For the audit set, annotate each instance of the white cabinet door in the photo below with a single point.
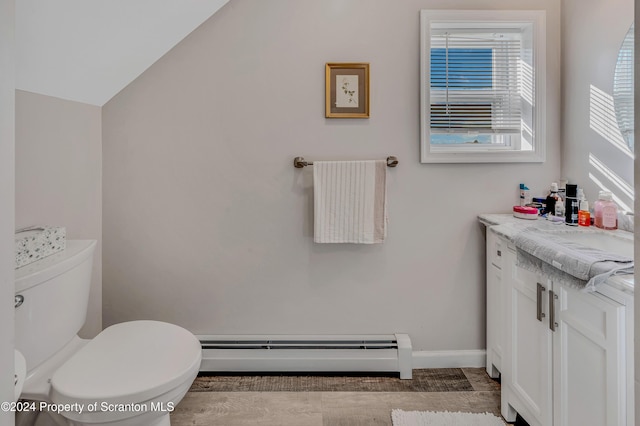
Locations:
(495, 304)
(588, 360)
(528, 345)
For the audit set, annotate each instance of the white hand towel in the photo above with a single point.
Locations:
(350, 201)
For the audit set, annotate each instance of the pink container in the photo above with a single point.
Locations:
(605, 211)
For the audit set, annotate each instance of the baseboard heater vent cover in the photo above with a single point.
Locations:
(316, 353)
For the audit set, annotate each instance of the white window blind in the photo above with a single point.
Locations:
(475, 81)
(483, 86)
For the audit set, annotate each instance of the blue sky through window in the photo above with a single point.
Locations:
(467, 68)
(460, 69)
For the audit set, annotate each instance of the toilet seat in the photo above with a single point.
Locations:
(131, 362)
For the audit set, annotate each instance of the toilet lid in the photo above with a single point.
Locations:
(131, 362)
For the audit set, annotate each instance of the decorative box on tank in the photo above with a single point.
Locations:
(38, 242)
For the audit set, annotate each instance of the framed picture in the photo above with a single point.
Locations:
(347, 90)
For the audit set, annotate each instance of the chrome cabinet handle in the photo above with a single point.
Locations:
(19, 300)
(552, 310)
(539, 313)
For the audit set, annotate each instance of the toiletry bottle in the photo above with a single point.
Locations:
(562, 189)
(584, 217)
(552, 198)
(571, 205)
(562, 196)
(525, 198)
(559, 209)
(597, 211)
(605, 211)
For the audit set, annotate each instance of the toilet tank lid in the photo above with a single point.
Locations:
(131, 362)
(76, 252)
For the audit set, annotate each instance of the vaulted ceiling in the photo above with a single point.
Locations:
(89, 50)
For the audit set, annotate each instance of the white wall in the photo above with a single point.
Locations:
(7, 253)
(636, 167)
(592, 33)
(59, 176)
(87, 51)
(208, 225)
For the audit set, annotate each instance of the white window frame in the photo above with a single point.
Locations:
(485, 18)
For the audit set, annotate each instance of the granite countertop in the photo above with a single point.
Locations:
(507, 226)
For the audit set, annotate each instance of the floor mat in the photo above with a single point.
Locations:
(443, 418)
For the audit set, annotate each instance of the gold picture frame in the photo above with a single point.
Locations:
(347, 90)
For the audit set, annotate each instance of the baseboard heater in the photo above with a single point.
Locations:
(315, 353)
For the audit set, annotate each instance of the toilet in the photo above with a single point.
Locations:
(132, 373)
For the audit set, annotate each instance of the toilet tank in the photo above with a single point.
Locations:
(55, 293)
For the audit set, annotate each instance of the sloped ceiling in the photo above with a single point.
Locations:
(89, 50)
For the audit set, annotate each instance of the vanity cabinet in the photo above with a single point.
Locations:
(527, 373)
(565, 356)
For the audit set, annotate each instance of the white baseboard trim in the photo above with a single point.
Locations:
(449, 359)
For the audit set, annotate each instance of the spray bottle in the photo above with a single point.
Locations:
(525, 198)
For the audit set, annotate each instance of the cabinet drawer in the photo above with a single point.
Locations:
(495, 249)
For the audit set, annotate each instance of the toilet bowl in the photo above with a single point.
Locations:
(132, 373)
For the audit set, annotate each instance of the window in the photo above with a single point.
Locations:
(482, 76)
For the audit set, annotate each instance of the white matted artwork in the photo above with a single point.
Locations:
(347, 91)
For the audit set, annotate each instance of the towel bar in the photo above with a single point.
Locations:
(300, 162)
